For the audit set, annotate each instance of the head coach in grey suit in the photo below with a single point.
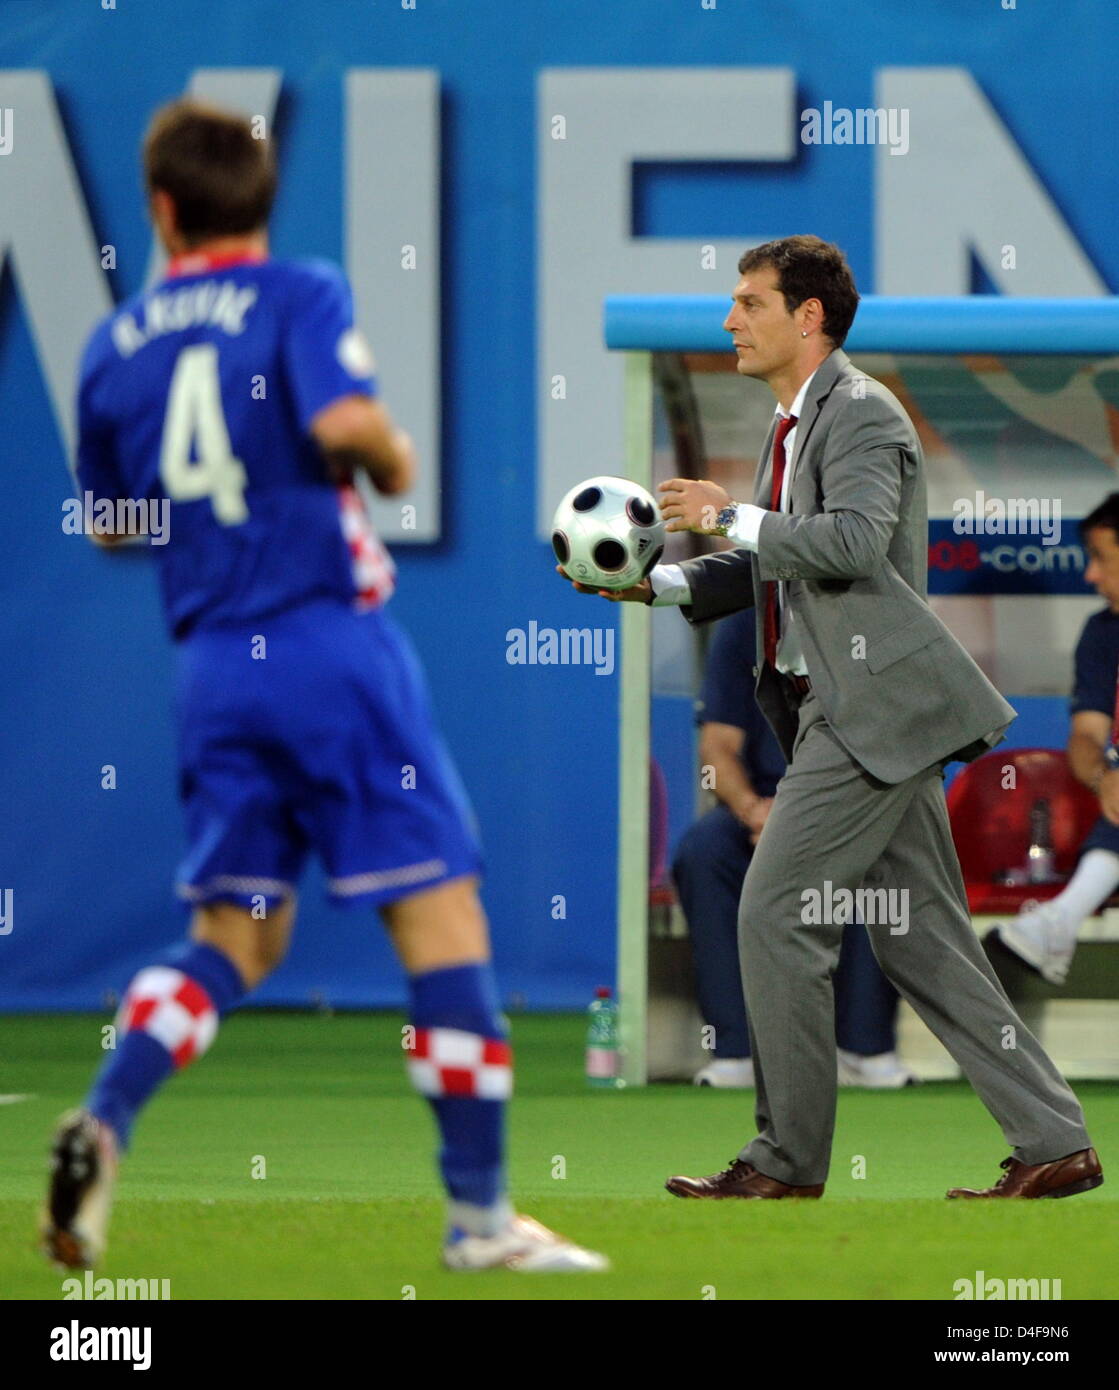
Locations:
(870, 696)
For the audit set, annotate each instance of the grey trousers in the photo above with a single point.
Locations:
(833, 827)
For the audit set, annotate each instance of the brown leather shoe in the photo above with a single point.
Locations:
(739, 1180)
(1064, 1177)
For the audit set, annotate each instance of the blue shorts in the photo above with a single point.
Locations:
(313, 730)
(1103, 835)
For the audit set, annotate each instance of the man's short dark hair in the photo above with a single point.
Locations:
(1106, 514)
(808, 268)
(221, 177)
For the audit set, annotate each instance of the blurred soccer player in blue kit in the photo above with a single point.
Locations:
(302, 742)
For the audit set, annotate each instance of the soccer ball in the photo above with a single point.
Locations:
(607, 533)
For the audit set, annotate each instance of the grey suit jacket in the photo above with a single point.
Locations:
(897, 689)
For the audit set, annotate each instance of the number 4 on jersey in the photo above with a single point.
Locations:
(195, 418)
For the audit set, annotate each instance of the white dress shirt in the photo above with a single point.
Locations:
(671, 588)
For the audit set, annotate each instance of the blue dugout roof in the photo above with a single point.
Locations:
(969, 323)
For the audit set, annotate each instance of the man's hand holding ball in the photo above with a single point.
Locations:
(639, 593)
(607, 528)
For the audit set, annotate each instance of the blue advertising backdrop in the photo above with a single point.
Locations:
(85, 659)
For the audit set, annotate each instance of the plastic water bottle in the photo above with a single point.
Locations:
(602, 1040)
(1040, 866)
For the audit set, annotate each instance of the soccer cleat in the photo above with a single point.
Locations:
(883, 1072)
(524, 1246)
(75, 1220)
(1040, 936)
(730, 1072)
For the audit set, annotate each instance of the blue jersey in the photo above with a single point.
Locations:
(1095, 665)
(728, 698)
(200, 393)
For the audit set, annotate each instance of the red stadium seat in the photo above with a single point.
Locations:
(991, 824)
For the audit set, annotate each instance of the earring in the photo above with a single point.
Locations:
(804, 335)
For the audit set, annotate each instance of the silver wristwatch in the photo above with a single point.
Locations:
(724, 521)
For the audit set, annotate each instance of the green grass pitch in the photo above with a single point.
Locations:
(350, 1206)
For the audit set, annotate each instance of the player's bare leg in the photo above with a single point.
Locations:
(459, 1059)
(168, 1018)
(439, 927)
(255, 945)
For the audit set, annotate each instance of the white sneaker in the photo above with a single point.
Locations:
(883, 1072)
(1040, 936)
(75, 1221)
(524, 1246)
(731, 1072)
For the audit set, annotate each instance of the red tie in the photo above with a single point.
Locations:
(784, 425)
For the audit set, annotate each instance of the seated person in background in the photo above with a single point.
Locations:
(711, 863)
(1044, 934)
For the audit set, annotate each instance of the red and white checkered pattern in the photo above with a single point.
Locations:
(373, 570)
(173, 1009)
(448, 1062)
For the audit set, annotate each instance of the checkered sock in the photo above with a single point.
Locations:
(459, 1058)
(169, 1017)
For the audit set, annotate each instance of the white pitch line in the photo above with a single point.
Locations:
(13, 1100)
